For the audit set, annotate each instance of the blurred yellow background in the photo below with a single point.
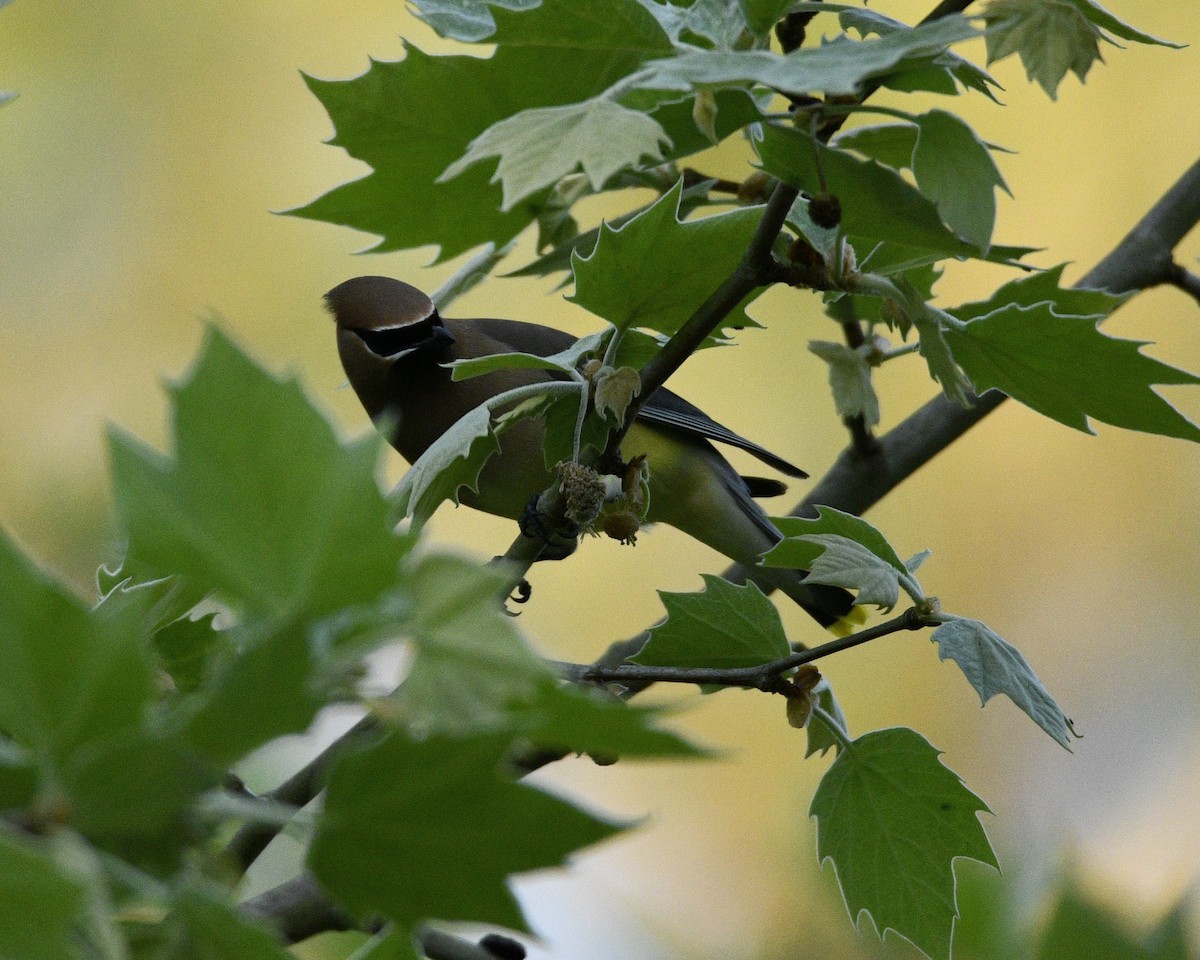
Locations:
(140, 166)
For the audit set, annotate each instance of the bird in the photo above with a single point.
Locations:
(394, 345)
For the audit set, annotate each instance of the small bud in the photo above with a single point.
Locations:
(849, 259)
(704, 114)
(754, 189)
(825, 210)
(799, 711)
(622, 525)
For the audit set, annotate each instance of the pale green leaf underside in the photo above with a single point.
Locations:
(539, 146)
(993, 665)
(798, 554)
(837, 67)
(850, 380)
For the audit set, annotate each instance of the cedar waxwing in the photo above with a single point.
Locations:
(392, 344)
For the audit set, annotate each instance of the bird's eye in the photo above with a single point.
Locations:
(414, 336)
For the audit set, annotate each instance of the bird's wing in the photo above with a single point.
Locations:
(665, 408)
(671, 410)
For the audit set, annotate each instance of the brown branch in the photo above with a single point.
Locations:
(759, 677)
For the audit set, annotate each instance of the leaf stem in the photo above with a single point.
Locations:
(832, 726)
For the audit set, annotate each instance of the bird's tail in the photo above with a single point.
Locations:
(832, 607)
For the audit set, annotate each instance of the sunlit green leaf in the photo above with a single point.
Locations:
(1065, 368)
(403, 819)
(877, 204)
(837, 67)
(850, 380)
(394, 118)
(654, 271)
(260, 500)
(722, 626)
(1050, 36)
(892, 820)
(70, 677)
(470, 662)
(956, 171)
(43, 905)
(466, 20)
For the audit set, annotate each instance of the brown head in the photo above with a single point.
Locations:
(380, 321)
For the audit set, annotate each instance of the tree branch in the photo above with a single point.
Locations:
(758, 677)
(755, 269)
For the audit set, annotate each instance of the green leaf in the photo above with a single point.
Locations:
(586, 720)
(993, 665)
(762, 15)
(43, 905)
(1106, 21)
(265, 690)
(260, 501)
(843, 550)
(560, 257)
(130, 793)
(1044, 287)
(394, 118)
(1050, 36)
(820, 737)
(1065, 368)
(391, 944)
(452, 462)
(934, 346)
(1080, 928)
(936, 73)
(70, 677)
(722, 626)
(877, 204)
(201, 926)
(18, 777)
(850, 379)
(470, 661)
(432, 828)
(845, 563)
(799, 554)
(728, 110)
(893, 819)
(837, 67)
(892, 144)
(478, 366)
(713, 23)
(187, 648)
(955, 170)
(654, 272)
(539, 146)
(466, 20)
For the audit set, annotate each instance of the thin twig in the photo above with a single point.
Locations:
(758, 677)
(1189, 283)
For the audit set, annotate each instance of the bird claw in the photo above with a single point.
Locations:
(521, 594)
(558, 540)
